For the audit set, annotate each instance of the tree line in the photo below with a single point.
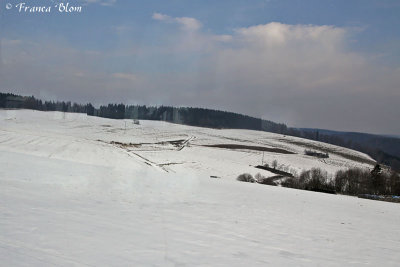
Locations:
(184, 115)
(353, 182)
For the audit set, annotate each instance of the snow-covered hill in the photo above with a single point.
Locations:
(87, 191)
(170, 148)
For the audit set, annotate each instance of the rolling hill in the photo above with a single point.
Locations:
(88, 191)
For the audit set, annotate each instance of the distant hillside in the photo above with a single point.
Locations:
(383, 149)
(388, 144)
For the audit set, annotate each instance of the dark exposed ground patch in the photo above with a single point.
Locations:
(279, 172)
(395, 199)
(176, 143)
(170, 163)
(309, 145)
(256, 148)
(125, 145)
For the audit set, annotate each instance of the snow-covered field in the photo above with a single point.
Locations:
(87, 191)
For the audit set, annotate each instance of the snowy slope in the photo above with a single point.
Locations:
(94, 140)
(86, 191)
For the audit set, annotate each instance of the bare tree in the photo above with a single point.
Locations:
(275, 164)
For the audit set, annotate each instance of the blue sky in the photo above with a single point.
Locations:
(377, 20)
(325, 64)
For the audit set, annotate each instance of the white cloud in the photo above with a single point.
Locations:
(278, 34)
(306, 56)
(159, 16)
(190, 38)
(189, 24)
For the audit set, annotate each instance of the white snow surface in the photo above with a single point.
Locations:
(86, 191)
